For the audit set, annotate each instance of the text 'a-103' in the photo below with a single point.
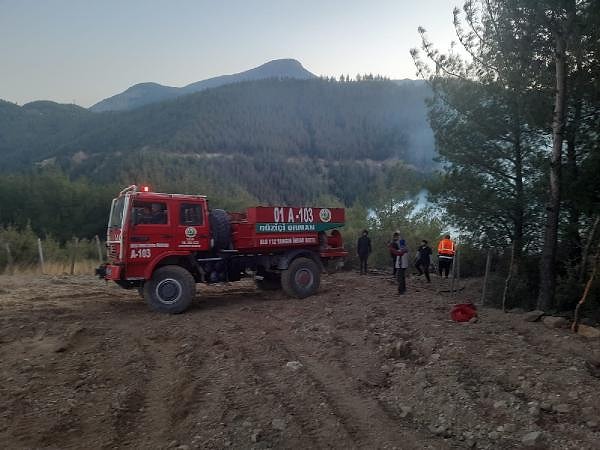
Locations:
(293, 215)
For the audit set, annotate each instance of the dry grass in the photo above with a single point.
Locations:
(85, 267)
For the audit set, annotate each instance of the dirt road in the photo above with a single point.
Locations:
(86, 365)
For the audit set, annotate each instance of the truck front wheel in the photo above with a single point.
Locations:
(170, 290)
(302, 278)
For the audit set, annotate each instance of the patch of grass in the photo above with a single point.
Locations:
(84, 267)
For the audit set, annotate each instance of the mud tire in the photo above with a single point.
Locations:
(302, 278)
(170, 290)
(221, 229)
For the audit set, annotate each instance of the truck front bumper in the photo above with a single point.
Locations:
(109, 272)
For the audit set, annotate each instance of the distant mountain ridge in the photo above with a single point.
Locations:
(146, 93)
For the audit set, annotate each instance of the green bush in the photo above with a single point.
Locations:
(22, 245)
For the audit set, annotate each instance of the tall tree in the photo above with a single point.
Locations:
(560, 16)
(581, 121)
(531, 70)
(481, 116)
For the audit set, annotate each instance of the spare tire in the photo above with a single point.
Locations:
(220, 229)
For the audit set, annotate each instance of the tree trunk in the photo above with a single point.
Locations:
(547, 264)
(519, 208)
(571, 174)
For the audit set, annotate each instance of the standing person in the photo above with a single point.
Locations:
(363, 250)
(446, 252)
(158, 214)
(401, 265)
(393, 245)
(424, 259)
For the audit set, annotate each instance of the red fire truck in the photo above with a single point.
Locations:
(163, 244)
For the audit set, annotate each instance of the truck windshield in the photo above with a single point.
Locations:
(116, 213)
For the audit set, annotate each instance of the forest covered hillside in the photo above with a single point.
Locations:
(276, 140)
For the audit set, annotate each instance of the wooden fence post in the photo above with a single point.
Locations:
(74, 254)
(507, 286)
(586, 250)
(453, 274)
(458, 269)
(9, 261)
(488, 264)
(41, 255)
(99, 248)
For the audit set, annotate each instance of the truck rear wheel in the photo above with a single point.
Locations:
(269, 282)
(170, 290)
(302, 278)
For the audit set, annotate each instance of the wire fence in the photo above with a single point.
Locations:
(24, 252)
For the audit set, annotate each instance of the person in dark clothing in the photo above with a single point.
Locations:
(424, 259)
(392, 246)
(158, 214)
(363, 250)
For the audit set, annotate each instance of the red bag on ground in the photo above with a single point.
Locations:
(463, 312)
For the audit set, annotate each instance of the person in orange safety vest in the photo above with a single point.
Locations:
(446, 250)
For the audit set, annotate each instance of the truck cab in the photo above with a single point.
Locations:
(145, 228)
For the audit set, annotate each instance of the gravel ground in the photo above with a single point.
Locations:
(85, 364)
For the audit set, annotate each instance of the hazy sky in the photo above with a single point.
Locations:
(85, 50)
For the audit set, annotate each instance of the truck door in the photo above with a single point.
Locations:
(191, 229)
(151, 234)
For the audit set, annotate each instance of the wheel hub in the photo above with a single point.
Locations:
(168, 291)
(304, 278)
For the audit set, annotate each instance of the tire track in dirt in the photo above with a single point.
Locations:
(152, 406)
(181, 391)
(54, 406)
(301, 408)
(362, 416)
(344, 378)
(126, 408)
(251, 389)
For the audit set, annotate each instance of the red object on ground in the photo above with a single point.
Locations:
(463, 312)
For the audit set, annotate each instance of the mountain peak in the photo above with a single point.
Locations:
(150, 92)
(283, 63)
(282, 68)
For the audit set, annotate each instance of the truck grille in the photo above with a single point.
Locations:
(113, 251)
